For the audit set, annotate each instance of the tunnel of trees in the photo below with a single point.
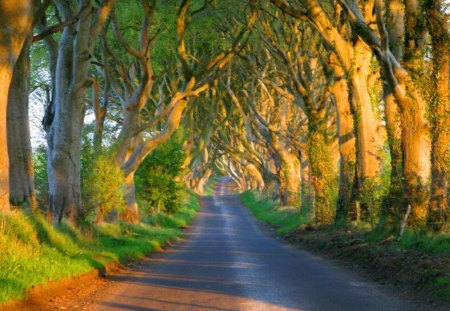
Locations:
(338, 108)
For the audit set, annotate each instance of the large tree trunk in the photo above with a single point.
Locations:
(370, 140)
(439, 215)
(64, 134)
(347, 147)
(15, 26)
(131, 213)
(257, 177)
(391, 210)
(322, 169)
(393, 203)
(127, 144)
(21, 173)
(291, 166)
(289, 162)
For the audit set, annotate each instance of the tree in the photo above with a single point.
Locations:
(65, 117)
(16, 18)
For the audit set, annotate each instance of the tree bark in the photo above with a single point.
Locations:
(322, 170)
(368, 126)
(21, 172)
(131, 213)
(392, 205)
(64, 134)
(16, 19)
(439, 213)
(347, 147)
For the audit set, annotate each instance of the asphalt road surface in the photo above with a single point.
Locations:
(226, 262)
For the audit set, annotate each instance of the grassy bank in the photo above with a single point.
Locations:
(33, 252)
(210, 185)
(283, 220)
(417, 261)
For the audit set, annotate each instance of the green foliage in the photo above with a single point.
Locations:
(284, 219)
(40, 175)
(375, 190)
(33, 252)
(101, 179)
(102, 185)
(157, 179)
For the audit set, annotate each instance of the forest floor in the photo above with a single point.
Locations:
(417, 266)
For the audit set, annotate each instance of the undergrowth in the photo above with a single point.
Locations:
(267, 210)
(33, 252)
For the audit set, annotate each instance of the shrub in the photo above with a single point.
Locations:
(102, 185)
(157, 179)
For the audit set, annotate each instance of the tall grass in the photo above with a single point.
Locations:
(32, 251)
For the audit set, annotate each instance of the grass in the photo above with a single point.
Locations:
(267, 210)
(33, 252)
(209, 188)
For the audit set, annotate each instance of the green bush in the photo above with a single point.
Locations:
(158, 178)
(102, 185)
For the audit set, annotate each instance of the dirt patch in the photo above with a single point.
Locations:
(412, 272)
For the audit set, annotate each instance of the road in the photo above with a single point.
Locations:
(226, 262)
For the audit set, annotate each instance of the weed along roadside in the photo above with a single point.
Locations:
(418, 264)
(34, 252)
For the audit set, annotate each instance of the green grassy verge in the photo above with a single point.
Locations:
(33, 252)
(209, 188)
(283, 219)
(421, 261)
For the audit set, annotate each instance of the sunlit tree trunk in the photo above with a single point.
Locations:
(21, 173)
(369, 138)
(15, 26)
(289, 172)
(415, 124)
(322, 170)
(437, 19)
(392, 205)
(131, 213)
(347, 147)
